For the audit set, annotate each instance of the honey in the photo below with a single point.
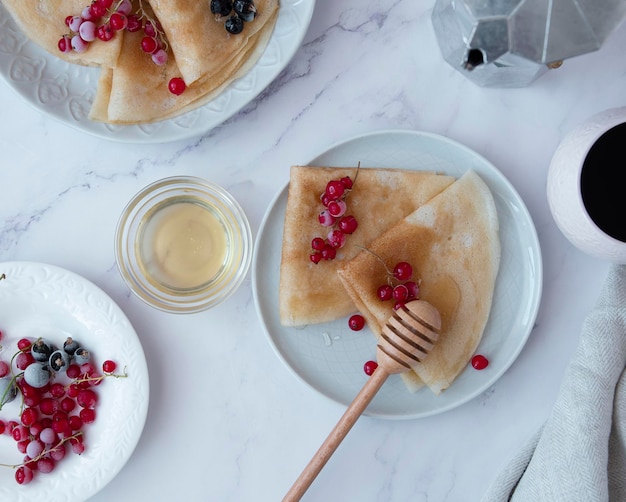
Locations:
(183, 245)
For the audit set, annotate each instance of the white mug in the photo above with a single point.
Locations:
(585, 186)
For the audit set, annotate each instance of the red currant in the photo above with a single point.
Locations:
(325, 199)
(336, 238)
(87, 415)
(318, 243)
(369, 367)
(73, 371)
(414, 290)
(400, 293)
(403, 271)
(356, 322)
(57, 390)
(45, 465)
(348, 224)
(87, 398)
(64, 44)
(385, 292)
(329, 252)
(335, 189)
(104, 33)
(4, 369)
(177, 86)
(134, 23)
(346, 181)
(23, 475)
(29, 416)
(150, 45)
(118, 21)
(109, 366)
(326, 219)
(24, 344)
(337, 208)
(479, 362)
(149, 29)
(97, 10)
(316, 257)
(23, 360)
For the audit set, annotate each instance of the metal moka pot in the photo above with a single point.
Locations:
(509, 43)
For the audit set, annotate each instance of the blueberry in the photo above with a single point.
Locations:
(59, 360)
(8, 390)
(245, 9)
(41, 350)
(234, 24)
(221, 7)
(81, 356)
(70, 345)
(37, 374)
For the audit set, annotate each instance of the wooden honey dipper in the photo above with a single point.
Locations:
(406, 339)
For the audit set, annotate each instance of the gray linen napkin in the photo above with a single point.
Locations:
(580, 452)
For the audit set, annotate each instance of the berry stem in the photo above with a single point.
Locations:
(44, 452)
(356, 174)
(99, 378)
(389, 272)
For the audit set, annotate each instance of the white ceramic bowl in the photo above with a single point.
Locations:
(564, 188)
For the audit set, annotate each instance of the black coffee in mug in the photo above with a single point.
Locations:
(602, 182)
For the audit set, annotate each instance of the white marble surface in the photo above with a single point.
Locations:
(235, 425)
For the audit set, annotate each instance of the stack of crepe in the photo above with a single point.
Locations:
(446, 229)
(131, 88)
(310, 293)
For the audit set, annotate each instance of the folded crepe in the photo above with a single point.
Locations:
(312, 293)
(200, 44)
(131, 88)
(452, 242)
(43, 22)
(136, 90)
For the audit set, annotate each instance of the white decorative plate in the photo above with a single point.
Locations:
(330, 357)
(65, 91)
(43, 300)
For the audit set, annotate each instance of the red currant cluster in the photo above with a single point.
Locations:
(335, 219)
(403, 292)
(53, 414)
(103, 18)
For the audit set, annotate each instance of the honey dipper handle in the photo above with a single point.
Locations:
(340, 431)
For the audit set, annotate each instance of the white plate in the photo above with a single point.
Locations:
(43, 300)
(330, 357)
(65, 91)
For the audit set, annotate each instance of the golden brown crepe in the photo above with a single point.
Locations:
(453, 245)
(124, 99)
(312, 293)
(200, 44)
(43, 22)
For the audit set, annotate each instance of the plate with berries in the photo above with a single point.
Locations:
(73, 385)
(336, 358)
(67, 91)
